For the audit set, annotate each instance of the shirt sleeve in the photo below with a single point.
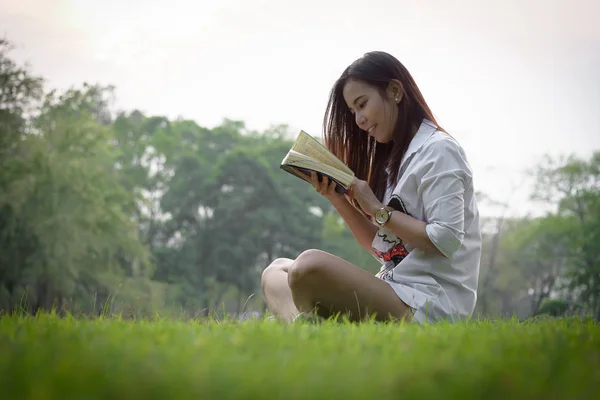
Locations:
(442, 179)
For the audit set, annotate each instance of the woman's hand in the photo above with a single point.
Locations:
(326, 188)
(362, 193)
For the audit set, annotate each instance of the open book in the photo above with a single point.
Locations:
(307, 155)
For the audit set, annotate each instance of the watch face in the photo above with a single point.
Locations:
(381, 216)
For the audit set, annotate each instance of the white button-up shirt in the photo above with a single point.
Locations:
(436, 186)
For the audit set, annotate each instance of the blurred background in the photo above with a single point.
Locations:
(140, 145)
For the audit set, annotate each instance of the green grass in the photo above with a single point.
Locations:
(52, 358)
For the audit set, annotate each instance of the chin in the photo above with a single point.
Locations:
(381, 137)
(383, 141)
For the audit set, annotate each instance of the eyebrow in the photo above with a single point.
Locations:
(358, 98)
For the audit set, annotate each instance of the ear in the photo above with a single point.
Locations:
(395, 91)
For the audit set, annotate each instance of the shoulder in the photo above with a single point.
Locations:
(441, 152)
(442, 143)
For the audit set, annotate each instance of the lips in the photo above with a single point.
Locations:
(371, 129)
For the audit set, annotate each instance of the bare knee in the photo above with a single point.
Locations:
(305, 267)
(279, 264)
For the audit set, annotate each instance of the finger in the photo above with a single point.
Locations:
(350, 192)
(331, 187)
(314, 180)
(324, 183)
(299, 172)
(318, 185)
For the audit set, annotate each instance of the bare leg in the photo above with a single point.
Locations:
(333, 285)
(276, 290)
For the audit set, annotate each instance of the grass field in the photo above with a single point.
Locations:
(46, 357)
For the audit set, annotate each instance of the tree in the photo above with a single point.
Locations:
(64, 233)
(573, 184)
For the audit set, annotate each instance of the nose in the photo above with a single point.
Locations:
(360, 120)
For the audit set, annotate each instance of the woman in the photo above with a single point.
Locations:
(412, 206)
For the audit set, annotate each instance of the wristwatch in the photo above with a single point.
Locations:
(383, 215)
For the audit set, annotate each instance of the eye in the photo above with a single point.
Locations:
(362, 104)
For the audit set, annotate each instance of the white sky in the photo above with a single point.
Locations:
(510, 79)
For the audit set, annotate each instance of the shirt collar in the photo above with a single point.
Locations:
(426, 129)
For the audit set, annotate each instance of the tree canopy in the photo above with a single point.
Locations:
(117, 211)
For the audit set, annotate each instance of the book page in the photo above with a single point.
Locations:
(295, 159)
(309, 146)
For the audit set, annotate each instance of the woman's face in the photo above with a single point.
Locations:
(372, 112)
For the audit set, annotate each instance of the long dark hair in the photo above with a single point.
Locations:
(360, 152)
